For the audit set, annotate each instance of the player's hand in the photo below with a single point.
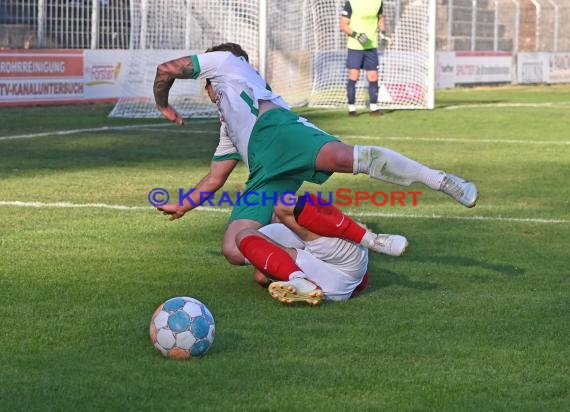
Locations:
(385, 38)
(171, 114)
(172, 209)
(362, 38)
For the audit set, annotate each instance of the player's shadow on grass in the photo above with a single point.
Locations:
(463, 261)
(226, 341)
(381, 278)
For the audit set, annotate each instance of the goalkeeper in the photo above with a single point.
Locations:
(360, 21)
(282, 150)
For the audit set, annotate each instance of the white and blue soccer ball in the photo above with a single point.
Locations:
(182, 328)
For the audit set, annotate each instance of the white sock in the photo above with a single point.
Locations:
(297, 274)
(431, 178)
(302, 284)
(390, 166)
(368, 239)
(359, 159)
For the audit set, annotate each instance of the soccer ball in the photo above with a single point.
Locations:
(182, 328)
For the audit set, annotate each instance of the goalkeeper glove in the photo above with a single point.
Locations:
(361, 37)
(385, 38)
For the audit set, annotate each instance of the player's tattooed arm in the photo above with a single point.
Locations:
(166, 73)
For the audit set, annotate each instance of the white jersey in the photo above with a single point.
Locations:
(238, 88)
(226, 149)
(336, 265)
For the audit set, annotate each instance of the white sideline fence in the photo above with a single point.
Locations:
(103, 50)
(476, 25)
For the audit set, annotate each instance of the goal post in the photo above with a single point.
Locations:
(296, 44)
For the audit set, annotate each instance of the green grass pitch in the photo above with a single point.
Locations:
(476, 317)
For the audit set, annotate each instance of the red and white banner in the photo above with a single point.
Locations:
(36, 77)
(463, 68)
(532, 67)
(559, 68)
(40, 76)
(543, 67)
(64, 76)
(104, 72)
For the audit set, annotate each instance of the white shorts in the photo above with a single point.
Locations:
(336, 265)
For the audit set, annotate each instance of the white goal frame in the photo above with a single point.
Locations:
(296, 45)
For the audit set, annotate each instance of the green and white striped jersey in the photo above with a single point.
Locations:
(238, 88)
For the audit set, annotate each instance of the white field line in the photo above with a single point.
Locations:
(92, 130)
(548, 105)
(481, 218)
(454, 140)
(64, 205)
(68, 205)
(183, 130)
(77, 131)
(150, 127)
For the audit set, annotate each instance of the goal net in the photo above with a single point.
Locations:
(296, 45)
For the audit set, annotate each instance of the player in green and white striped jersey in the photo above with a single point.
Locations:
(283, 150)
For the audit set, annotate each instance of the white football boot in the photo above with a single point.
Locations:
(296, 290)
(391, 245)
(460, 189)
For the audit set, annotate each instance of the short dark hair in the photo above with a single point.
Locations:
(234, 48)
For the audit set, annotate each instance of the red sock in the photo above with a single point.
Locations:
(267, 257)
(327, 220)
